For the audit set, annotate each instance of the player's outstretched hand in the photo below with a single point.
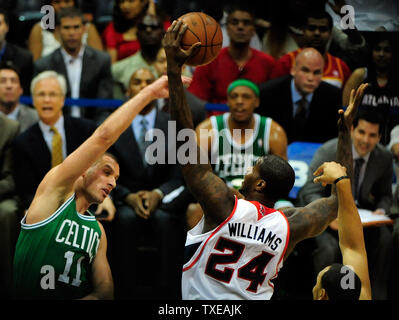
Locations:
(346, 117)
(328, 172)
(176, 56)
(159, 88)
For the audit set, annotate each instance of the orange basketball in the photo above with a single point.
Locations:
(205, 29)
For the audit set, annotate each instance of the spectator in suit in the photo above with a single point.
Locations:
(42, 42)
(10, 92)
(87, 70)
(372, 189)
(20, 57)
(140, 203)
(33, 154)
(317, 32)
(238, 60)
(299, 102)
(9, 206)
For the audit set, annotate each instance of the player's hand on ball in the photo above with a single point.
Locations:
(171, 42)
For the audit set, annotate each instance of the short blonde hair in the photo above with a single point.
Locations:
(49, 74)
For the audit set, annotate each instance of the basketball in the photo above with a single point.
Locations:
(205, 29)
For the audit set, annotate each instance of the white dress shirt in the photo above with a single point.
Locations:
(74, 71)
(136, 125)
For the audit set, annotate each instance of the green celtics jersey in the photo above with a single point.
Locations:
(53, 257)
(229, 158)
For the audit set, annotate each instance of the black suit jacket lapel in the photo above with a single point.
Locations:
(130, 149)
(288, 96)
(58, 65)
(70, 135)
(369, 174)
(87, 70)
(39, 148)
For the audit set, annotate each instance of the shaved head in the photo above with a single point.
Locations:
(308, 70)
(310, 55)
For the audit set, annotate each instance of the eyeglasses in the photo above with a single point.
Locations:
(51, 95)
(245, 22)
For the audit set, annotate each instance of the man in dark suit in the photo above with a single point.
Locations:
(305, 106)
(87, 70)
(9, 52)
(372, 190)
(34, 150)
(9, 206)
(141, 198)
(10, 93)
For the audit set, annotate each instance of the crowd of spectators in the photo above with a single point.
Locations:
(296, 64)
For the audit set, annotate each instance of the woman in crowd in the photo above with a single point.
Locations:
(120, 35)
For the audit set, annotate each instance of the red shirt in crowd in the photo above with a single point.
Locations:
(336, 71)
(210, 82)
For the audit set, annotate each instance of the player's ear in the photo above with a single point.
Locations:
(260, 185)
(322, 295)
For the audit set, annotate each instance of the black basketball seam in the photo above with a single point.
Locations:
(206, 38)
(213, 37)
(199, 40)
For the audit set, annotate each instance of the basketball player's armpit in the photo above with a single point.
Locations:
(313, 219)
(215, 197)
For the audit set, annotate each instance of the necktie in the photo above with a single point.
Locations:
(56, 148)
(300, 120)
(142, 142)
(356, 175)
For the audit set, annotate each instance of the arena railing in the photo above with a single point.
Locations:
(113, 103)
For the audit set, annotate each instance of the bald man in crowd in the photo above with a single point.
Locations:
(304, 105)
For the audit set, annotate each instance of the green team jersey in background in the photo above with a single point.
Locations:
(231, 159)
(53, 257)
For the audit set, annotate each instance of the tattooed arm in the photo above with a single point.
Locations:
(313, 219)
(216, 199)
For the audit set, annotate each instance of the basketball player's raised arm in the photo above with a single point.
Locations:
(59, 181)
(350, 228)
(215, 197)
(313, 219)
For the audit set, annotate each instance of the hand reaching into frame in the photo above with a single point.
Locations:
(346, 117)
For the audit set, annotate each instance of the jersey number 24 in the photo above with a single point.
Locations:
(253, 271)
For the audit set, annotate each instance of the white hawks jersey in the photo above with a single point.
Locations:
(239, 258)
